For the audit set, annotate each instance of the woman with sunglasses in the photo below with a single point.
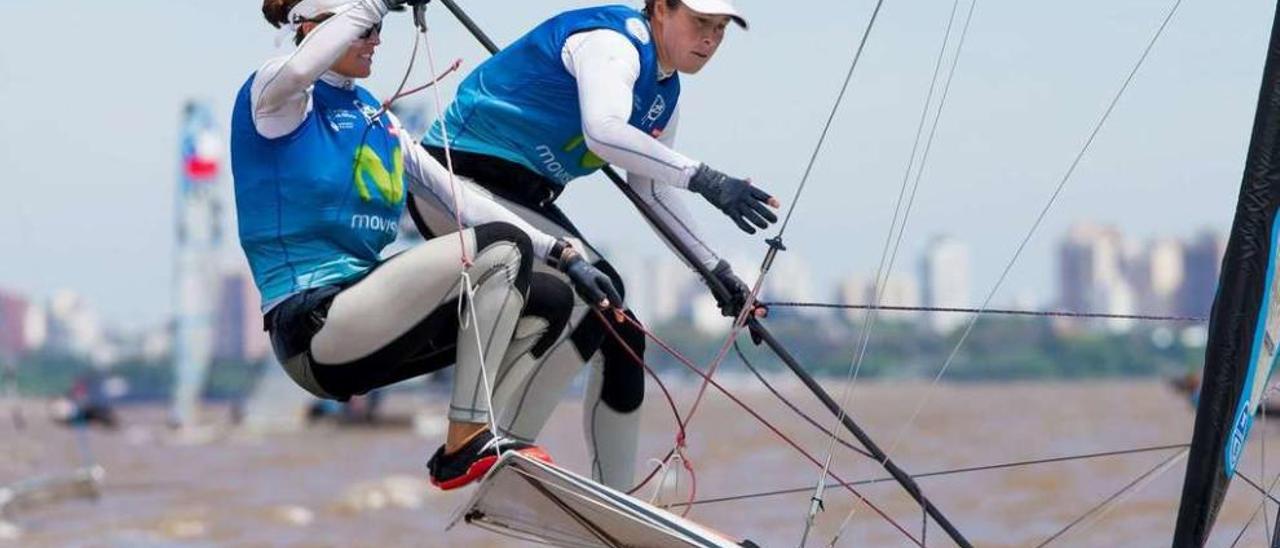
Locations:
(319, 174)
(584, 88)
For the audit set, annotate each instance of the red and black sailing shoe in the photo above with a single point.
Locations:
(473, 460)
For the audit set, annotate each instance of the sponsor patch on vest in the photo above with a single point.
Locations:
(658, 107)
(340, 119)
(638, 29)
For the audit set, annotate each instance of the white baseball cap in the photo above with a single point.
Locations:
(309, 9)
(717, 7)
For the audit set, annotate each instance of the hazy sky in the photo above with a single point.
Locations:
(94, 92)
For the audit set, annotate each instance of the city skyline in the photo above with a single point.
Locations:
(1100, 270)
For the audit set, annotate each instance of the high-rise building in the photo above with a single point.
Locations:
(237, 327)
(944, 275)
(852, 290)
(1157, 276)
(900, 290)
(1201, 265)
(789, 280)
(660, 289)
(1092, 266)
(13, 326)
(73, 327)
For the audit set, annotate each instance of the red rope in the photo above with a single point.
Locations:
(739, 322)
(681, 437)
(685, 462)
(457, 63)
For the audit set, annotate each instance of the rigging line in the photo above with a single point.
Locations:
(1035, 226)
(689, 364)
(1105, 506)
(1262, 473)
(740, 321)
(466, 288)
(413, 57)
(813, 158)
(681, 434)
(1244, 529)
(988, 311)
(455, 65)
(1256, 509)
(467, 297)
(844, 525)
(1256, 487)
(937, 118)
(813, 422)
(883, 271)
(948, 472)
(448, 155)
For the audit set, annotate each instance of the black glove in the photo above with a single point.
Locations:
(745, 204)
(738, 293)
(591, 284)
(738, 290)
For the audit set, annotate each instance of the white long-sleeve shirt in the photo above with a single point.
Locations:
(606, 66)
(281, 101)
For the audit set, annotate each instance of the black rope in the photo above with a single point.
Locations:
(952, 471)
(793, 407)
(994, 311)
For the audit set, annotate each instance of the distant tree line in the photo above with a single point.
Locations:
(996, 349)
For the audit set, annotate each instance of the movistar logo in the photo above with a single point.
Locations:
(371, 171)
(589, 159)
(552, 165)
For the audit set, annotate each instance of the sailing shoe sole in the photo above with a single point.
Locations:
(481, 466)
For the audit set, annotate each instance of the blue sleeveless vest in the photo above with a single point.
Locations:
(521, 105)
(317, 206)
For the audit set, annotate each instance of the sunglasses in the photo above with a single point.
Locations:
(371, 31)
(367, 34)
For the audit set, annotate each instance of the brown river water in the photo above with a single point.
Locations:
(342, 486)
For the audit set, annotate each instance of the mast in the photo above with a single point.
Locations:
(720, 292)
(1244, 326)
(197, 213)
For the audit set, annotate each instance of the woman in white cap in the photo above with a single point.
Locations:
(319, 174)
(584, 88)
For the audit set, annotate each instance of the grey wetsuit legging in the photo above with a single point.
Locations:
(615, 385)
(401, 320)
